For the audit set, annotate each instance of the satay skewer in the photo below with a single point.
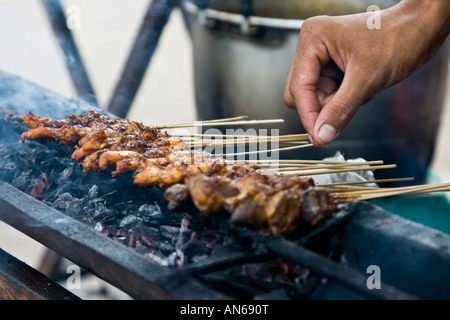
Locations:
(375, 193)
(241, 141)
(263, 151)
(299, 161)
(325, 171)
(346, 185)
(217, 123)
(191, 124)
(298, 167)
(232, 136)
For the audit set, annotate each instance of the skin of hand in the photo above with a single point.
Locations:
(340, 63)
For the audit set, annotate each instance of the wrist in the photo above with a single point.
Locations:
(432, 15)
(425, 23)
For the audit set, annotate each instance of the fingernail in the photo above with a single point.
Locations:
(327, 133)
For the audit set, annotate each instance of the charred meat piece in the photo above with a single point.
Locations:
(33, 121)
(318, 205)
(68, 135)
(210, 193)
(176, 195)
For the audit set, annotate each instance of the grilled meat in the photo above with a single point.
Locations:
(255, 199)
(66, 134)
(250, 196)
(102, 142)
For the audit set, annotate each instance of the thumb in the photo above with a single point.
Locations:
(339, 109)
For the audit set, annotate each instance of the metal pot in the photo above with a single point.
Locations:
(241, 62)
(298, 9)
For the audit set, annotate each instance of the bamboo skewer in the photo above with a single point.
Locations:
(191, 124)
(301, 140)
(317, 172)
(299, 161)
(225, 119)
(240, 142)
(342, 191)
(374, 193)
(403, 189)
(244, 140)
(390, 193)
(293, 167)
(205, 143)
(264, 151)
(348, 184)
(217, 123)
(298, 167)
(301, 136)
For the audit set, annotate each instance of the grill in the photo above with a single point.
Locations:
(126, 235)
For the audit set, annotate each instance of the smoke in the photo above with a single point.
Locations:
(23, 96)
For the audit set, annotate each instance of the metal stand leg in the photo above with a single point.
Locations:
(144, 46)
(72, 57)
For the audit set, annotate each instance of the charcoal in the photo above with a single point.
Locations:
(174, 260)
(93, 193)
(44, 156)
(166, 247)
(279, 271)
(7, 173)
(129, 219)
(21, 181)
(99, 209)
(149, 210)
(192, 250)
(99, 227)
(170, 232)
(65, 174)
(75, 208)
(23, 161)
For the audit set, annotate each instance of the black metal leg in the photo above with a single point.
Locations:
(72, 57)
(247, 7)
(139, 58)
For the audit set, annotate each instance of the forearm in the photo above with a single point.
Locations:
(431, 20)
(436, 13)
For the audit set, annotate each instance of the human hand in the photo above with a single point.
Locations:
(340, 63)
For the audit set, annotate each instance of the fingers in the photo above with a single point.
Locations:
(326, 87)
(337, 112)
(303, 80)
(288, 101)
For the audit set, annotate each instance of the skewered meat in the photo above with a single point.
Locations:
(154, 156)
(256, 199)
(250, 196)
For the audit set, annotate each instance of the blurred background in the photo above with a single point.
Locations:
(106, 34)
